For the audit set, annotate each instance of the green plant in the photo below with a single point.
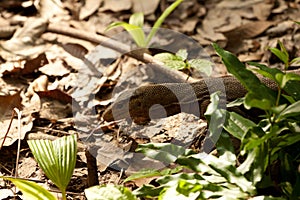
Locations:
(31, 190)
(56, 158)
(109, 192)
(283, 55)
(136, 23)
(270, 147)
(269, 154)
(179, 61)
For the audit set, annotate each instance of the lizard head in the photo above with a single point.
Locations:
(141, 104)
(129, 104)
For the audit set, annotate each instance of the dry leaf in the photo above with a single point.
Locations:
(89, 8)
(29, 66)
(25, 41)
(56, 95)
(55, 68)
(262, 10)
(55, 104)
(39, 84)
(145, 6)
(8, 103)
(26, 125)
(49, 9)
(246, 31)
(75, 50)
(116, 5)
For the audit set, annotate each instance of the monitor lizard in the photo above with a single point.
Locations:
(141, 104)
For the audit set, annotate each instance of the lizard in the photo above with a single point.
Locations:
(161, 100)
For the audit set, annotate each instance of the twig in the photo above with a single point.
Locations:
(19, 139)
(109, 43)
(117, 46)
(7, 131)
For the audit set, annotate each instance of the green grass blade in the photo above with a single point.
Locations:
(137, 19)
(136, 32)
(31, 190)
(161, 19)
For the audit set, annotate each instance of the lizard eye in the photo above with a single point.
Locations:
(138, 104)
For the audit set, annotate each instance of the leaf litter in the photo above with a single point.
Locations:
(39, 71)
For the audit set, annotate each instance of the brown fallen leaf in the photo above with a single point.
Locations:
(248, 30)
(116, 5)
(245, 31)
(56, 94)
(145, 6)
(13, 135)
(8, 103)
(30, 66)
(262, 10)
(55, 104)
(89, 8)
(39, 84)
(26, 41)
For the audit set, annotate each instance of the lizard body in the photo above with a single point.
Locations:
(162, 100)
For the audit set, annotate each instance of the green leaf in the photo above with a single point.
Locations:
(284, 141)
(183, 190)
(136, 32)
(290, 111)
(202, 65)
(284, 51)
(31, 190)
(215, 117)
(161, 19)
(109, 192)
(214, 166)
(56, 158)
(259, 92)
(224, 144)
(148, 191)
(253, 138)
(186, 188)
(256, 100)
(289, 82)
(237, 102)
(282, 78)
(233, 176)
(230, 173)
(256, 163)
(266, 71)
(166, 153)
(176, 64)
(238, 69)
(237, 125)
(182, 53)
(171, 60)
(166, 57)
(292, 88)
(286, 81)
(295, 61)
(146, 173)
(137, 19)
(281, 55)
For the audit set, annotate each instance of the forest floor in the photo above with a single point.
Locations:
(45, 73)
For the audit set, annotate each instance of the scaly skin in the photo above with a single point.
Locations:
(174, 98)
